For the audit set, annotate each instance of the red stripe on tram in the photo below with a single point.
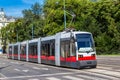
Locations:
(68, 59)
(51, 58)
(87, 58)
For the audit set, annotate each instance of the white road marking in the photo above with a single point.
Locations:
(14, 62)
(44, 68)
(40, 68)
(106, 65)
(91, 77)
(33, 79)
(105, 72)
(17, 69)
(110, 68)
(106, 76)
(52, 78)
(72, 78)
(3, 76)
(22, 70)
(25, 70)
(36, 68)
(2, 63)
(43, 75)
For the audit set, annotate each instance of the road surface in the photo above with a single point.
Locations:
(108, 69)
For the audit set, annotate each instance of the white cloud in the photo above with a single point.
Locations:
(33, 1)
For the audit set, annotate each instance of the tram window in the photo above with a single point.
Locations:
(65, 48)
(43, 49)
(47, 49)
(72, 49)
(33, 49)
(10, 50)
(23, 50)
(67, 51)
(15, 49)
(52, 48)
(62, 50)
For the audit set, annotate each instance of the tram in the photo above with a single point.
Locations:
(74, 49)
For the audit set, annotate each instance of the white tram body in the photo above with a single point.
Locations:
(74, 49)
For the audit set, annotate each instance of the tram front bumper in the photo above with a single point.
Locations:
(87, 63)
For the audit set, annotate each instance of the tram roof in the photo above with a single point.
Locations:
(33, 40)
(48, 38)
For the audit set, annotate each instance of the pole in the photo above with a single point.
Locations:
(17, 35)
(64, 16)
(32, 32)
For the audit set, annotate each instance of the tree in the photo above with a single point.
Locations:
(100, 17)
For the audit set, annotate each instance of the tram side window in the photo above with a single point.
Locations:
(52, 48)
(72, 49)
(62, 50)
(65, 48)
(10, 50)
(23, 50)
(48, 48)
(33, 50)
(43, 49)
(15, 49)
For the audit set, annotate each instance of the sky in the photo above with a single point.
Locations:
(14, 7)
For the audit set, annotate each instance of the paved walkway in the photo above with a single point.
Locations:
(3, 55)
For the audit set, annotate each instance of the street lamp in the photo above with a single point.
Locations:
(66, 12)
(17, 34)
(64, 16)
(32, 31)
(73, 16)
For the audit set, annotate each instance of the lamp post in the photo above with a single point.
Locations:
(32, 31)
(17, 34)
(64, 16)
(66, 12)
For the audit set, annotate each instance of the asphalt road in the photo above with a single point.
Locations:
(108, 69)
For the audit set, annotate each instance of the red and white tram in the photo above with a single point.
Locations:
(74, 49)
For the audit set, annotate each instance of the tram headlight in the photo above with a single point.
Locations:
(93, 55)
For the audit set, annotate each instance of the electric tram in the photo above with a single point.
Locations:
(70, 48)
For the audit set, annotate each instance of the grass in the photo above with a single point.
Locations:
(108, 54)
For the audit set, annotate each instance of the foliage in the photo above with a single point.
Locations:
(100, 17)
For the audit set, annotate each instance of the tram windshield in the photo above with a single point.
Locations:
(85, 43)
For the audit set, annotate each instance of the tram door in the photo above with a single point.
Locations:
(10, 52)
(43, 52)
(48, 52)
(65, 53)
(16, 52)
(23, 52)
(33, 52)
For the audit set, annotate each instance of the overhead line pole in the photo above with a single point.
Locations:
(64, 16)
